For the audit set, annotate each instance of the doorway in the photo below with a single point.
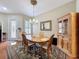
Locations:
(0, 32)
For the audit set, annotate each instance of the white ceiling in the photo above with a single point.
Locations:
(25, 7)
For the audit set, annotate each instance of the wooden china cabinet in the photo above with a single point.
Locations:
(68, 37)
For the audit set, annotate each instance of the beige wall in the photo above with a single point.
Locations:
(3, 22)
(53, 15)
(6, 18)
(77, 5)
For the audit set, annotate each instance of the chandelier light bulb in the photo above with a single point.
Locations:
(34, 20)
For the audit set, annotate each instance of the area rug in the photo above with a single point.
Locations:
(19, 53)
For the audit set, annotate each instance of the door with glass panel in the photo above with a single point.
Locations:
(28, 29)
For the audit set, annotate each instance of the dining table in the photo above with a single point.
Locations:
(39, 40)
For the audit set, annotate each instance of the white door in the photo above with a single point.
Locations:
(12, 29)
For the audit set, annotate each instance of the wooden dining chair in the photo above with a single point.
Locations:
(24, 41)
(48, 47)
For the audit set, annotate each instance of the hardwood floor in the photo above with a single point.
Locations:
(3, 50)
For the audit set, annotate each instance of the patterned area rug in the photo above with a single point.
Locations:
(19, 53)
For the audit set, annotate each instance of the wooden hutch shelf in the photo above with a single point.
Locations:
(68, 38)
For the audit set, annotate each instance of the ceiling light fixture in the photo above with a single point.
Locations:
(33, 19)
(4, 8)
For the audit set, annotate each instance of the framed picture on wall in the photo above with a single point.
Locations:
(46, 25)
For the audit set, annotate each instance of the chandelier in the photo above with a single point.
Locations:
(33, 19)
(33, 2)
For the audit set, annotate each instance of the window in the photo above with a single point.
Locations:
(28, 29)
(13, 29)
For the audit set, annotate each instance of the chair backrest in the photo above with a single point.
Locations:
(54, 39)
(24, 39)
(49, 47)
(48, 43)
(41, 35)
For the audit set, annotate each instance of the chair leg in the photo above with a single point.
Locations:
(49, 51)
(24, 49)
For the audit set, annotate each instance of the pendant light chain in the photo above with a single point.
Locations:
(33, 10)
(33, 2)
